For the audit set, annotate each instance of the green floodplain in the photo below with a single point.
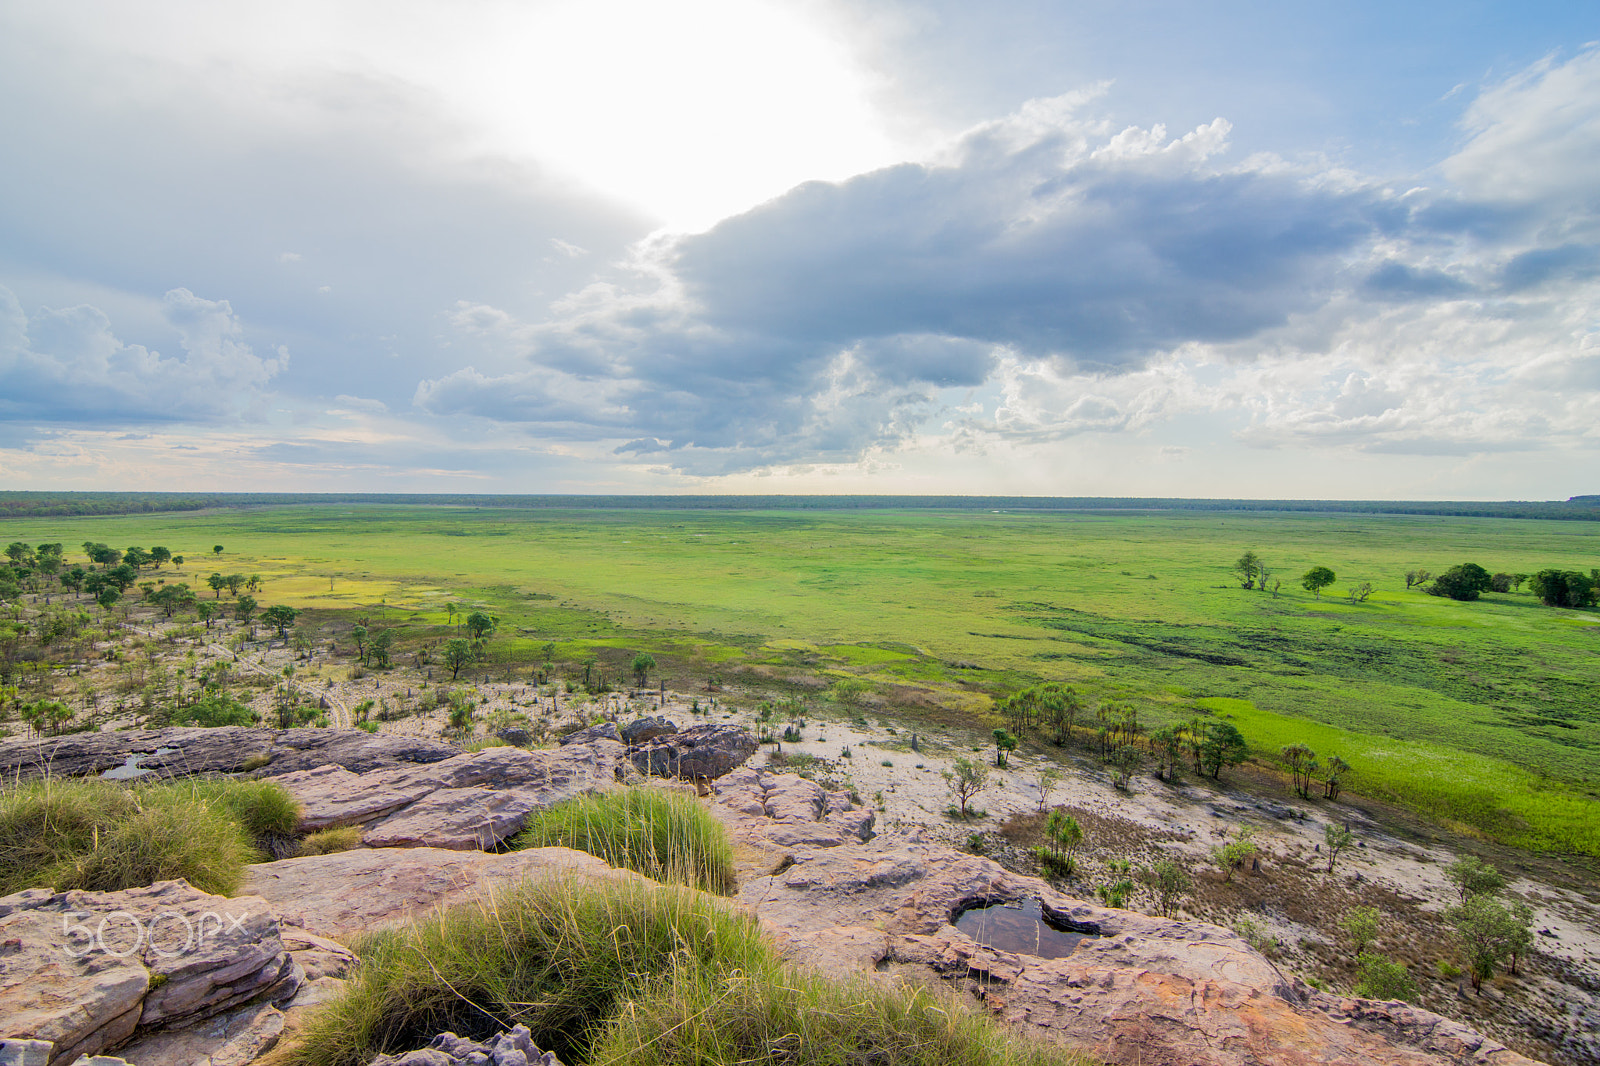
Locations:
(1482, 715)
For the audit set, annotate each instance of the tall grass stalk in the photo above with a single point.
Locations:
(667, 836)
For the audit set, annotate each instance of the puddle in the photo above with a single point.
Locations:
(131, 769)
(1020, 927)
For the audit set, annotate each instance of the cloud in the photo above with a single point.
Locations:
(67, 365)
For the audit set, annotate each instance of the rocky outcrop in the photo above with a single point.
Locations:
(338, 896)
(1139, 989)
(699, 752)
(193, 750)
(469, 801)
(515, 1048)
(603, 731)
(637, 732)
(86, 970)
(787, 810)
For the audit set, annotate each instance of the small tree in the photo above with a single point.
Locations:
(1465, 582)
(1125, 762)
(358, 636)
(1223, 745)
(457, 653)
(159, 555)
(244, 609)
(1474, 877)
(1049, 778)
(965, 781)
(1316, 579)
(217, 583)
(382, 643)
(1248, 567)
(216, 549)
(643, 663)
(1418, 577)
(1237, 853)
(1004, 745)
(1361, 926)
(1065, 836)
(1383, 978)
(1302, 764)
(280, 617)
(1168, 883)
(1360, 593)
(1167, 747)
(1487, 932)
(1338, 838)
(480, 625)
(1337, 768)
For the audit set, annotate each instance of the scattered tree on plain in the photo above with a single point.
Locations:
(642, 664)
(1302, 764)
(1563, 588)
(457, 653)
(1337, 838)
(1464, 582)
(1316, 579)
(965, 780)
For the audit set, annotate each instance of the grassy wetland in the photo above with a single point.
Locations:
(1480, 714)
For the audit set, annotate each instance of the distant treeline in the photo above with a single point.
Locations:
(41, 504)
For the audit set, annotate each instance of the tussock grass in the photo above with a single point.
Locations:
(629, 972)
(778, 1014)
(667, 836)
(558, 956)
(103, 836)
(329, 841)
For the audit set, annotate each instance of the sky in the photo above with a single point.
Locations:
(1145, 248)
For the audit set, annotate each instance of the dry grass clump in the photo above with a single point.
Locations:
(667, 836)
(329, 841)
(101, 835)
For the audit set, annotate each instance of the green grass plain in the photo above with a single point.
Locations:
(1482, 714)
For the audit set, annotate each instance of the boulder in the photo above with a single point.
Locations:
(515, 1048)
(338, 896)
(702, 751)
(179, 751)
(233, 1038)
(87, 970)
(603, 731)
(515, 735)
(472, 800)
(637, 732)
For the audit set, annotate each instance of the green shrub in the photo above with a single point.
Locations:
(214, 709)
(667, 836)
(104, 836)
(1383, 978)
(328, 841)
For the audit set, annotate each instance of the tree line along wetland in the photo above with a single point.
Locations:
(1446, 665)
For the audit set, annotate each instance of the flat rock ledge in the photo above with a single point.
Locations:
(1138, 989)
(181, 751)
(88, 970)
(470, 801)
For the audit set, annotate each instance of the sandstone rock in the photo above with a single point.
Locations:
(787, 811)
(603, 731)
(702, 751)
(338, 896)
(195, 750)
(84, 970)
(233, 1038)
(515, 1048)
(24, 1052)
(472, 800)
(459, 818)
(515, 735)
(647, 729)
(1143, 990)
